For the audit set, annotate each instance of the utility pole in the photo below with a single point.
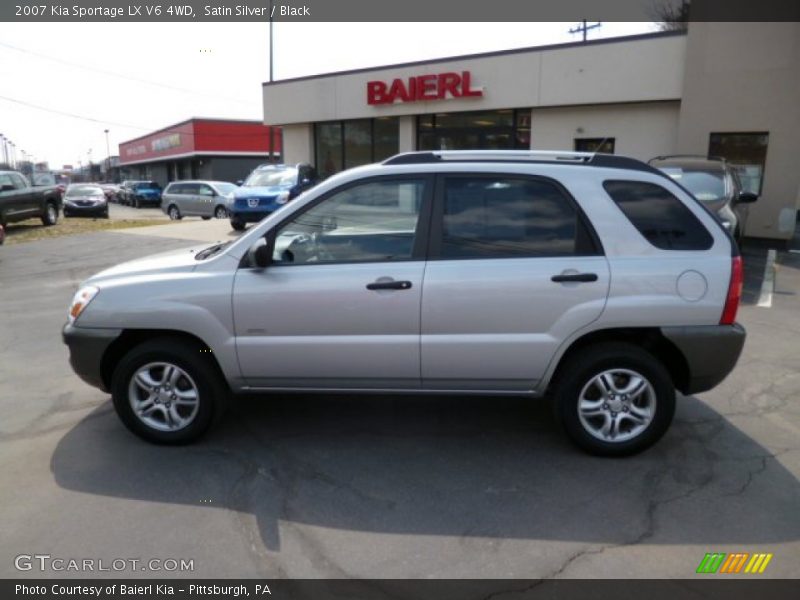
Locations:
(5, 151)
(271, 48)
(108, 156)
(584, 28)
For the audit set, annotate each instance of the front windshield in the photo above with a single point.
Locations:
(44, 179)
(705, 186)
(272, 178)
(225, 188)
(84, 190)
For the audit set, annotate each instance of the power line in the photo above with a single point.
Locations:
(120, 75)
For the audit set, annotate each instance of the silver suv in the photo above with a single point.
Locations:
(590, 279)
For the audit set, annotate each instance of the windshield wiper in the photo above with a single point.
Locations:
(210, 251)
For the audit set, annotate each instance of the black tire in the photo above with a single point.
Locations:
(212, 393)
(50, 216)
(220, 212)
(580, 369)
(206, 218)
(137, 203)
(174, 213)
(237, 225)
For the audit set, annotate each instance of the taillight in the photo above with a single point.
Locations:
(734, 292)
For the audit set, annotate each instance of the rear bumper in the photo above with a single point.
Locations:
(711, 352)
(86, 350)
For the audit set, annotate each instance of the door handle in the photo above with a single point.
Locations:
(389, 285)
(584, 277)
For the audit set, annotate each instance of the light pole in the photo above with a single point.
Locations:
(271, 47)
(5, 150)
(108, 157)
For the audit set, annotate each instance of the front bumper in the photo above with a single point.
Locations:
(86, 350)
(711, 352)
(95, 209)
(248, 216)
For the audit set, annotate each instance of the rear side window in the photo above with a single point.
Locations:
(191, 189)
(174, 188)
(659, 216)
(508, 217)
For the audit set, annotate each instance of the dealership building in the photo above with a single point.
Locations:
(214, 149)
(724, 89)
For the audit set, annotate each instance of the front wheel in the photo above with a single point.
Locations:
(50, 216)
(614, 399)
(167, 391)
(220, 212)
(237, 225)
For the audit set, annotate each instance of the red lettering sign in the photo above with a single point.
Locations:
(422, 87)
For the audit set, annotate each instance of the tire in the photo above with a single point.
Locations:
(220, 212)
(195, 376)
(137, 203)
(50, 216)
(638, 420)
(237, 225)
(174, 213)
(206, 218)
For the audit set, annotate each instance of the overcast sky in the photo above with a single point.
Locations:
(134, 78)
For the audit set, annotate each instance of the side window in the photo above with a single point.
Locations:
(6, 182)
(373, 221)
(205, 190)
(659, 216)
(18, 181)
(173, 188)
(191, 189)
(507, 217)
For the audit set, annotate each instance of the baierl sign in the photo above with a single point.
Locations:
(423, 87)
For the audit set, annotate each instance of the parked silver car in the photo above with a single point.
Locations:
(591, 279)
(197, 199)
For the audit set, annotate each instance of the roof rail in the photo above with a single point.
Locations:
(594, 159)
(407, 158)
(695, 156)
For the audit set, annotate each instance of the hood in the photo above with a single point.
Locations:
(165, 263)
(248, 192)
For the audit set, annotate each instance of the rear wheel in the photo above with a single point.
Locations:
(50, 216)
(614, 399)
(237, 224)
(206, 218)
(174, 213)
(167, 391)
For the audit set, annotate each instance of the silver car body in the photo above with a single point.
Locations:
(195, 198)
(468, 326)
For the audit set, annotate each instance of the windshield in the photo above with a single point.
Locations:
(84, 190)
(225, 188)
(44, 179)
(705, 186)
(272, 178)
(148, 185)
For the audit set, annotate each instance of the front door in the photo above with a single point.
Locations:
(513, 270)
(340, 305)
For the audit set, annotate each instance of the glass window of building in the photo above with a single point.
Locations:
(604, 145)
(340, 145)
(747, 152)
(505, 129)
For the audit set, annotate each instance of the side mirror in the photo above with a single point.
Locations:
(747, 197)
(260, 254)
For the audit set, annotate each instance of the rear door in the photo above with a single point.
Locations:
(189, 199)
(514, 268)
(205, 200)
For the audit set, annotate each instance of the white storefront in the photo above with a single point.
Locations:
(725, 88)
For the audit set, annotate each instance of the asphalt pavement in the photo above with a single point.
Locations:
(353, 486)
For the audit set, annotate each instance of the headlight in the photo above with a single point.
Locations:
(80, 301)
(282, 198)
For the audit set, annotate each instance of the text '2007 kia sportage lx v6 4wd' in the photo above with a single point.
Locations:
(592, 279)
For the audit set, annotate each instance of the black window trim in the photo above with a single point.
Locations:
(419, 249)
(437, 218)
(734, 245)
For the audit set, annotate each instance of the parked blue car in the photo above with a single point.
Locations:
(142, 193)
(266, 189)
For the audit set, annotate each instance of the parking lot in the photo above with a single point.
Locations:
(340, 486)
